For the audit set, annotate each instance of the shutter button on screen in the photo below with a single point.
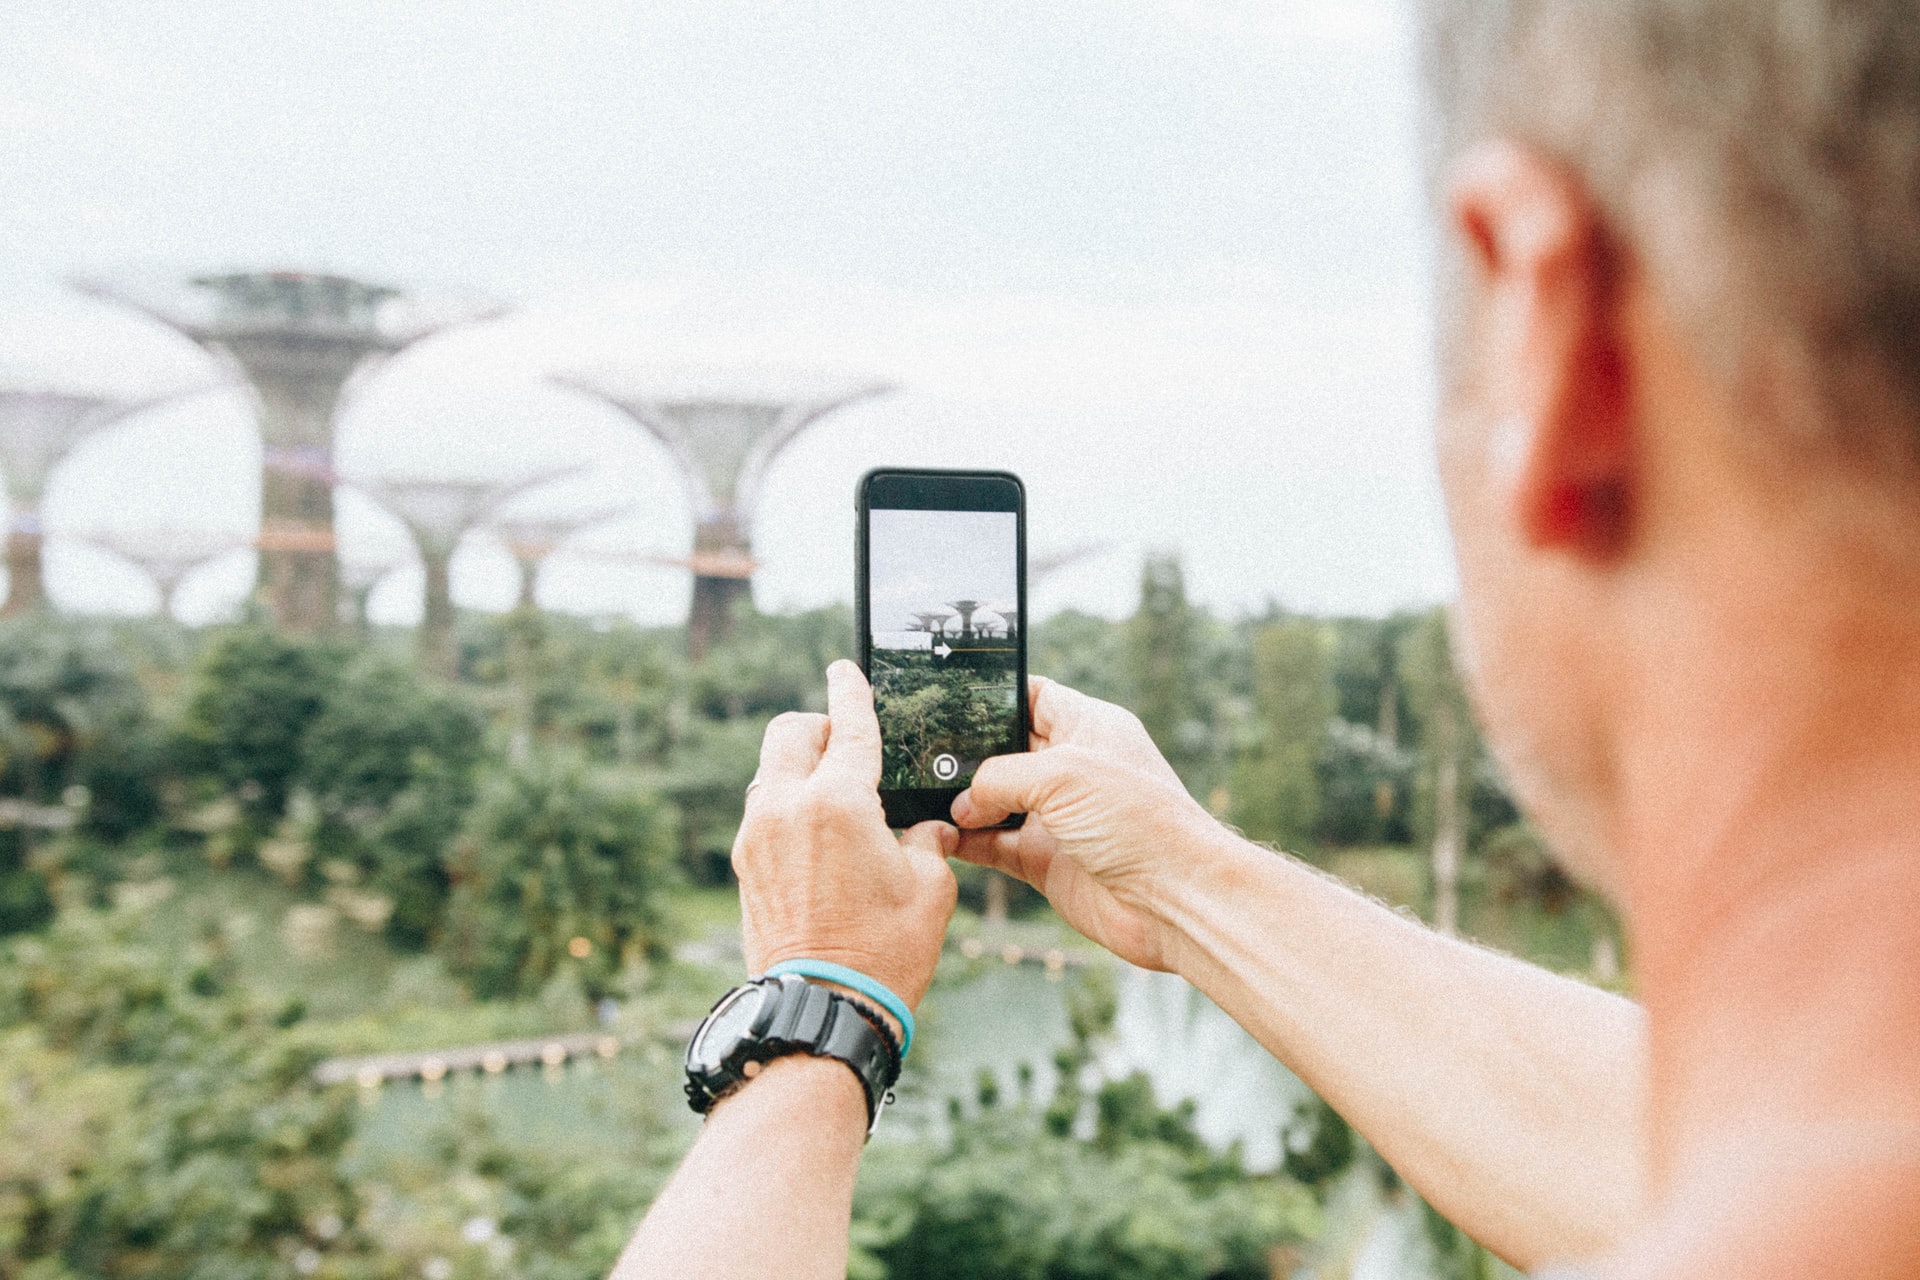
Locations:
(945, 767)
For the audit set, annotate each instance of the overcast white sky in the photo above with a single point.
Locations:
(1165, 259)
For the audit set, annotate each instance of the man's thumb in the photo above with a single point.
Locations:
(1011, 784)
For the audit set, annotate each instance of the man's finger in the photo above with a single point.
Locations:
(791, 749)
(930, 841)
(999, 850)
(1007, 785)
(853, 745)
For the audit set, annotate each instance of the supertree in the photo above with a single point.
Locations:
(723, 439)
(358, 578)
(38, 429)
(438, 513)
(530, 540)
(168, 556)
(298, 338)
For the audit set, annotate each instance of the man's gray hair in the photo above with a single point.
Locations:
(1760, 157)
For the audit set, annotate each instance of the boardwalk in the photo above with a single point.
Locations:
(556, 1051)
(489, 1059)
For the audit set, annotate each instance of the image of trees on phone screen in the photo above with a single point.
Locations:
(945, 616)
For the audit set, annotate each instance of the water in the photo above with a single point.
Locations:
(1190, 1049)
(995, 1019)
(589, 1106)
(1005, 1016)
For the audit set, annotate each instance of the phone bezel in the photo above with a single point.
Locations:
(932, 489)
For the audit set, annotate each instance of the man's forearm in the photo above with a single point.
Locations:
(1507, 1096)
(767, 1189)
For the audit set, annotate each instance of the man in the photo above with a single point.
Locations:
(1680, 442)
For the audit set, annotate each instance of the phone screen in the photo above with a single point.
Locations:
(944, 645)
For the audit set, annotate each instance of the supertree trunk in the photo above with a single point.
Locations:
(439, 645)
(26, 581)
(299, 579)
(724, 439)
(711, 618)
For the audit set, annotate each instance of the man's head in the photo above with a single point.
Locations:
(1681, 347)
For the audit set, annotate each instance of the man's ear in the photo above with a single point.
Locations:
(1550, 351)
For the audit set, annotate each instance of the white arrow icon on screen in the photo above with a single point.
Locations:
(943, 650)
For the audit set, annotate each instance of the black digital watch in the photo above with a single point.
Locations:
(770, 1018)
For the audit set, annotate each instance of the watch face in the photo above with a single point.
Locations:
(725, 1027)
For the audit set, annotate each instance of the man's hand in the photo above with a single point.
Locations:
(1108, 819)
(821, 876)
(768, 1187)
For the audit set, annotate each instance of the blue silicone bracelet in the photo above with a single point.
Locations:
(853, 980)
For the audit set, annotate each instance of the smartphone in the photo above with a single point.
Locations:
(942, 604)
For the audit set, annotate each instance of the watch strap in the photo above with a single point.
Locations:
(853, 1039)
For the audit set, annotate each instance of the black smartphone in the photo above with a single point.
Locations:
(942, 602)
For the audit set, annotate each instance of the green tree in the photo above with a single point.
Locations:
(1277, 784)
(1161, 661)
(555, 853)
(255, 693)
(74, 731)
(389, 762)
(1084, 652)
(767, 665)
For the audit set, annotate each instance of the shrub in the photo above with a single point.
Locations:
(254, 695)
(1009, 1198)
(73, 724)
(151, 1129)
(556, 853)
(389, 762)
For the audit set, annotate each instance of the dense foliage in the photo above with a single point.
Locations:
(498, 856)
(255, 694)
(559, 868)
(154, 1126)
(160, 1120)
(75, 735)
(389, 766)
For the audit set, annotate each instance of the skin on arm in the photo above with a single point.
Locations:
(1510, 1098)
(768, 1188)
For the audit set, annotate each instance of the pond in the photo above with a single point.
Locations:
(1003, 1016)
(988, 1017)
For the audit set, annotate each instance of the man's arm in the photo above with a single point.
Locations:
(768, 1188)
(1507, 1096)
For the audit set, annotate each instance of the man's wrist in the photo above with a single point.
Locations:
(815, 1089)
(783, 1014)
(1214, 869)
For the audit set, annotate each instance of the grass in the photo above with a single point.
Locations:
(697, 911)
(370, 996)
